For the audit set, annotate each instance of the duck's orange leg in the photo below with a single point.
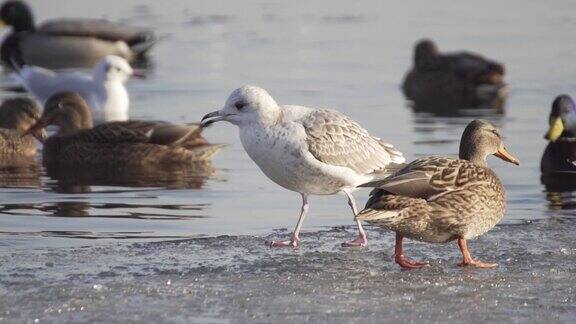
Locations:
(467, 258)
(401, 260)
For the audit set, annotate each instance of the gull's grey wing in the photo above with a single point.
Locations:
(43, 83)
(336, 139)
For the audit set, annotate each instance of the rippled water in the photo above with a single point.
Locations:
(62, 255)
(348, 56)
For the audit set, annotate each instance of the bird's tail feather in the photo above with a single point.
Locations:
(370, 214)
(206, 152)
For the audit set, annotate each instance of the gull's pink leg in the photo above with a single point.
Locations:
(361, 240)
(295, 240)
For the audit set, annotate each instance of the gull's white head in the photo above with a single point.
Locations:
(246, 105)
(113, 68)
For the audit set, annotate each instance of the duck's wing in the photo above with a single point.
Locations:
(431, 177)
(136, 131)
(472, 65)
(336, 139)
(97, 28)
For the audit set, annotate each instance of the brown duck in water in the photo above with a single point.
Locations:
(16, 116)
(453, 80)
(68, 43)
(116, 143)
(441, 199)
(558, 163)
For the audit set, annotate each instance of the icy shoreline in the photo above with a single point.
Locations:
(239, 279)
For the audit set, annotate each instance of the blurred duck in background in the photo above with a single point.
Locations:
(558, 163)
(120, 144)
(17, 115)
(441, 199)
(446, 82)
(69, 43)
(104, 90)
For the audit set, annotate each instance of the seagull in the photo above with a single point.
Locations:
(311, 151)
(104, 90)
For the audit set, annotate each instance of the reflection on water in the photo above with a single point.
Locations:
(561, 200)
(78, 179)
(559, 182)
(131, 193)
(20, 173)
(315, 54)
(446, 130)
(494, 108)
(83, 208)
(95, 235)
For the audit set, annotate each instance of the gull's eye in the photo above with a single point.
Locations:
(239, 105)
(495, 132)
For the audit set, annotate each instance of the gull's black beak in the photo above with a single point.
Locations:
(211, 118)
(38, 130)
(139, 75)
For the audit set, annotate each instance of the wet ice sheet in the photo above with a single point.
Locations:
(239, 279)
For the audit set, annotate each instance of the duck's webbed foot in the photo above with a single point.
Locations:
(401, 260)
(409, 264)
(467, 260)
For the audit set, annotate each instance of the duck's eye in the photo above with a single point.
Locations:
(239, 105)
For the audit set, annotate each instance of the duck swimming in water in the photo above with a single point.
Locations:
(450, 81)
(17, 115)
(68, 43)
(558, 163)
(132, 142)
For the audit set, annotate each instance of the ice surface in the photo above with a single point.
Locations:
(239, 279)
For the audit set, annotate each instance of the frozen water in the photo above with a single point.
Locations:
(238, 279)
(103, 246)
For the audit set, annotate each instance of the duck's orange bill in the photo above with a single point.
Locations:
(38, 131)
(504, 155)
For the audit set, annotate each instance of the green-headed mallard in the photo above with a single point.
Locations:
(453, 80)
(440, 199)
(66, 43)
(558, 163)
(116, 143)
(16, 117)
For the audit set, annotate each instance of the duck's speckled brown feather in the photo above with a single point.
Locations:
(461, 199)
(13, 144)
(121, 143)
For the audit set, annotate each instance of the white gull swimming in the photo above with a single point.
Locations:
(104, 90)
(307, 150)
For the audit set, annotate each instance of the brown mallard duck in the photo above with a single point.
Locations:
(68, 43)
(558, 163)
(441, 199)
(116, 143)
(16, 116)
(453, 80)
